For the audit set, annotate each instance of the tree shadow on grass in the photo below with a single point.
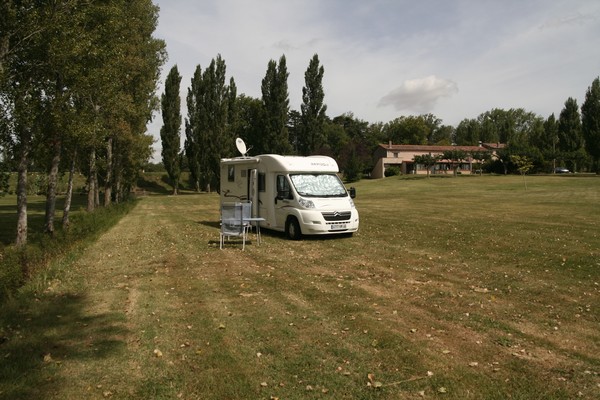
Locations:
(38, 338)
(153, 186)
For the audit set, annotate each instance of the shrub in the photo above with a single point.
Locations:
(392, 171)
(4, 176)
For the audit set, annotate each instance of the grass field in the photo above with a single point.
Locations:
(455, 288)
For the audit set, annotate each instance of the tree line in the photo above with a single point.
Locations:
(216, 115)
(77, 88)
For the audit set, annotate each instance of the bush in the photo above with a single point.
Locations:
(392, 171)
(4, 179)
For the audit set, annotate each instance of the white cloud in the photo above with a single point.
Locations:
(419, 95)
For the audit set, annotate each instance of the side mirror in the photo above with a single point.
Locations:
(352, 192)
(283, 195)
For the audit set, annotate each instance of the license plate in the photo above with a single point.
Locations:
(338, 226)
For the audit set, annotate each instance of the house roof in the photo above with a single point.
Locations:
(426, 148)
(494, 146)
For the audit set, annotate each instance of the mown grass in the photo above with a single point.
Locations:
(457, 288)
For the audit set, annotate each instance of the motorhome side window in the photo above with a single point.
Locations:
(231, 173)
(283, 187)
(261, 182)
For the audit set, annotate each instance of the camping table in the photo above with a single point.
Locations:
(256, 221)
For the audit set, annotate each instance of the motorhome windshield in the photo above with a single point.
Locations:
(318, 185)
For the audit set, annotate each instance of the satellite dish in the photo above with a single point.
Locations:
(241, 146)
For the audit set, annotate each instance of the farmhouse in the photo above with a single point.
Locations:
(402, 156)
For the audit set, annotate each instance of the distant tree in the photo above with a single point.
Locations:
(455, 157)
(442, 135)
(275, 100)
(211, 123)
(570, 137)
(503, 158)
(192, 127)
(352, 171)
(408, 130)
(360, 140)
(437, 133)
(250, 122)
(506, 126)
(215, 139)
(480, 157)
(467, 133)
(523, 164)
(548, 140)
(313, 109)
(170, 131)
(294, 127)
(490, 125)
(590, 113)
(336, 138)
(426, 160)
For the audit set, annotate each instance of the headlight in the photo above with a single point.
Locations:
(351, 203)
(306, 203)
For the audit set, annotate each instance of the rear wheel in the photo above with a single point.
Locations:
(292, 229)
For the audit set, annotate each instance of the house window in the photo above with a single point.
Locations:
(395, 154)
(231, 173)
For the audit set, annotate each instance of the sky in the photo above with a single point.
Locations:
(387, 58)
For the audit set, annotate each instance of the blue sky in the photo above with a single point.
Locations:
(385, 58)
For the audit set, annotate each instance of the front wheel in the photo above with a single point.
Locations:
(292, 229)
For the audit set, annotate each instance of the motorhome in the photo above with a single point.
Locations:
(291, 194)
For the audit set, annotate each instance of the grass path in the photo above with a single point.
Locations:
(155, 310)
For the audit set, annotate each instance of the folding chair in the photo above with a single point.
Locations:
(232, 223)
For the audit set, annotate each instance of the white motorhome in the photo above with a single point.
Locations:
(295, 195)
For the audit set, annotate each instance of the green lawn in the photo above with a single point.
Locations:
(456, 288)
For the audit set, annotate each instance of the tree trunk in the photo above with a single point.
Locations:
(91, 182)
(118, 178)
(69, 195)
(96, 190)
(51, 192)
(109, 173)
(22, 191)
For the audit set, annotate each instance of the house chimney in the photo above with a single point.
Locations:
(390, 144)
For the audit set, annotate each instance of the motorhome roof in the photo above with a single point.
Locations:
(276, 162)
(241, 160)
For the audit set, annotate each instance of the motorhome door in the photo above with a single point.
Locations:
(283, 198)
(253, 191)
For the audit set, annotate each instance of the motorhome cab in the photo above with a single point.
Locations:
(295, 195)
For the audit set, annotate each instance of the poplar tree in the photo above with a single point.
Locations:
(276, 101)
(210, 123)
(570, 138)
(590, 114)
(192, 126)
(549, 140)
(22, 52)
(170, 131)
(313, 109)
